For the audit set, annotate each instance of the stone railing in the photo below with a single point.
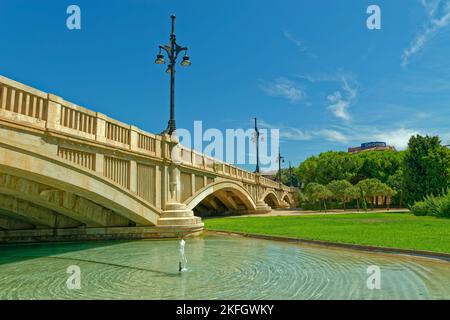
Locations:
(23, 104)
(269, 183)
(77, 121)
(192, 158)
(288, 189)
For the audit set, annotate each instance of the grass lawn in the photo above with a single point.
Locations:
(398, 230)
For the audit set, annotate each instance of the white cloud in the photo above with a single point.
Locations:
(324, 77)
(288, 133)
(438, 12)
(301, 134)
(446, 139)
(351, 92)
(299, 44)
(398, 138)
(353, 135)
(295, 134)
(431, 6)
(296, 42)
(422, 115)
(283, 87)
(338, 104)
(333, 135)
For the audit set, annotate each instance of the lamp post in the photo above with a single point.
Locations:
(257, 145)
(172, 50)
(280, 160)
(291, 182)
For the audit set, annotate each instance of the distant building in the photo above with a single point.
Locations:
(371, 146)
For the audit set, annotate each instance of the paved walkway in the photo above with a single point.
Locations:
(300, 212)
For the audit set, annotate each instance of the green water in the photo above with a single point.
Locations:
(218, 268)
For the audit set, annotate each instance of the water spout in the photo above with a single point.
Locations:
(183, 263)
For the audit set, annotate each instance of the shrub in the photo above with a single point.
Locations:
(437, 206)
(444, 207)
(433, 203)
(420, 208)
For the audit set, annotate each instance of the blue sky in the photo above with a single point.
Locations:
(310, 68)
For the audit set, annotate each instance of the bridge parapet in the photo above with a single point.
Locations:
(192, 158)
(154, 170)
(23, 104)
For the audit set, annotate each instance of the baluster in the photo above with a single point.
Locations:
(4, 97)
(19, 102)
(12, 100)
(27, 105)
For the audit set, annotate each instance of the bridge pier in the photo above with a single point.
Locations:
(175, 213)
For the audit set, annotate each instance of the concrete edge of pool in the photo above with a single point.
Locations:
(101, 233)
(358, 247)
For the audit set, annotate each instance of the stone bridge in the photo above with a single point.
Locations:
(68, 173)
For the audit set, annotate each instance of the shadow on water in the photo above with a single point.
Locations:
(11, 253)
(162, 273)
(14, 253)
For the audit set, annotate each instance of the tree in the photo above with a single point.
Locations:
(307, 170)
(426, 168)
(387, 193)
(329, 166)
(354, 193)
(370, 188)
(288, 177)
(316, 192)
(373, 189)
(397, 184)
(379, 165)
(338, 189)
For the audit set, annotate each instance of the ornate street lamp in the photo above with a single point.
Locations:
(280, 160)
(172, 50)
(257, 145)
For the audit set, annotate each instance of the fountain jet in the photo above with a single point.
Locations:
(183, 263)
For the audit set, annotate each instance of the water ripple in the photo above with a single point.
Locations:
(218, 268)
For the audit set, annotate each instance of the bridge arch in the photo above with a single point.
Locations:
(70, 190)
(287, 199)
(271, 198)
(221, 197)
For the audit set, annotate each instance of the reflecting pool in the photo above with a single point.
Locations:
(219, 267)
